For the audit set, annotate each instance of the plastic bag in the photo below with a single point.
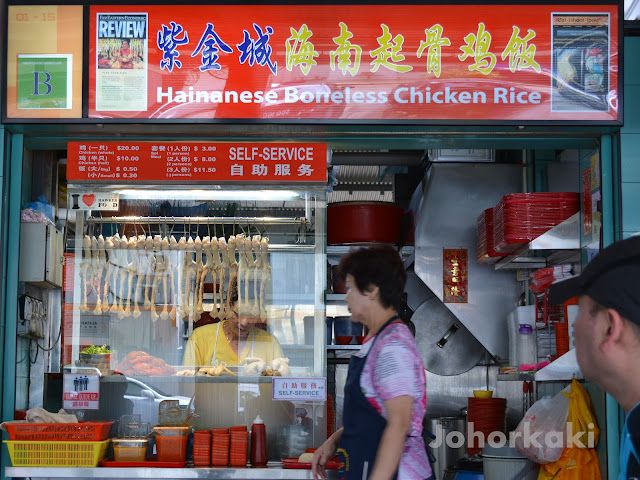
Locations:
(577, 462)
(581, 416)
(540, 435)
(38, 212)
(574, 464)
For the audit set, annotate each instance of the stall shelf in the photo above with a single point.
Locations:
(563, 369)
(561, 244)
(340, 354)
(335, 297)
(273, 472)
(516, 377)
(335, 252)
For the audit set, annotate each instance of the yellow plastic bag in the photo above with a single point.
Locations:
(581, 417)
(576, 462)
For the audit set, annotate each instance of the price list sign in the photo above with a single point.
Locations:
(199, 162)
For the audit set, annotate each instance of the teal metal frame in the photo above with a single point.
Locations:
(3, 215)
(610, 233)
(11, 227)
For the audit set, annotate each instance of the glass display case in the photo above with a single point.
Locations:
(200, 296)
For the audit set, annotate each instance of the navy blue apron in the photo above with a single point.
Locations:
(363, 425)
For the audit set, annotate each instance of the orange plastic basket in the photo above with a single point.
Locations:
(56, 454)
(82, 431)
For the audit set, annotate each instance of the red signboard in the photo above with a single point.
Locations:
(184, 162)
(422, 63)
(455, 275)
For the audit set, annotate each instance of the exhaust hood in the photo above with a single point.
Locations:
(452, 198)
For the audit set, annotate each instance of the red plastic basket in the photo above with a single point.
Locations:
(81, 431)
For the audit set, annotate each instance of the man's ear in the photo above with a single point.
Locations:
(614, 330)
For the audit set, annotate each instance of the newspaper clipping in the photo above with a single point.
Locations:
(580, 62)
(121, 76)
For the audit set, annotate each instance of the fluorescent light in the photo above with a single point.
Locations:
(261, 195)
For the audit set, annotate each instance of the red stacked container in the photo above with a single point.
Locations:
(487, 415)
(202, 448)
(239, 446)
(220, 440)
(331, 416)
(520, 217)
(562, 338)
(547, 313)
(486, 249)
(562, 329)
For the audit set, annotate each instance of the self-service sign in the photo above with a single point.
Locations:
(81, 391)
(299, 388)
(184, 162)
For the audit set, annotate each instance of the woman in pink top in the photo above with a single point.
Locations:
(385, 391)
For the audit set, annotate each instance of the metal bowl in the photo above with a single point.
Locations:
(95, 358)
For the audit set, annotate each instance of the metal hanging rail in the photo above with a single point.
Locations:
(273, 247)
(263, 221)
(203, 220)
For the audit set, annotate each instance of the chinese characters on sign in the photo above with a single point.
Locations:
(296, 389)
(454, 275)
(363, 62)
(301, 51)
(195, 161)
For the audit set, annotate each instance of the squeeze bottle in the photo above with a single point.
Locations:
(258, 443)
(526, 345)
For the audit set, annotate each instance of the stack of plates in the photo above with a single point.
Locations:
(520, 217)
(487, 415)
(239, 446)
(202, 448)
(486, 248)
(220, 440)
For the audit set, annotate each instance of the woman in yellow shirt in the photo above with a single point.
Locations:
(230, 342)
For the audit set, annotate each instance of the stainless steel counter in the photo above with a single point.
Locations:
(163, 473)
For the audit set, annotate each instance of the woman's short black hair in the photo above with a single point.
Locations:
(233, 292)
(380, 266)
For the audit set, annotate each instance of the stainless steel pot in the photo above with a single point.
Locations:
(446, 456)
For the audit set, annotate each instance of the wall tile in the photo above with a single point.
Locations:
(630, 206)
(630, 157)
(631, 64)
(22, 394)
(631, 111)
